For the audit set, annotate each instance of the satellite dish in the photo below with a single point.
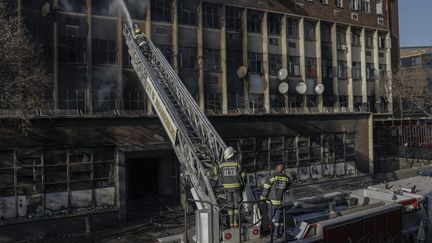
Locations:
(283, 88)
(282, 74)
(319, 89)
(46, 8)
(301, 88)
(242, 71)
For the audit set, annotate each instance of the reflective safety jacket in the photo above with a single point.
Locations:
(230, 174)
(274, 188)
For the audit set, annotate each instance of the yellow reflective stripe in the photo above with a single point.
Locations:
(267, 186)
(279, 178)
(243, 174)
(228, 164)
(232, 185)
(276, 202)
(236, 211)
(230, 212)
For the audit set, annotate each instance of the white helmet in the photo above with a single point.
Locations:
(229, 153)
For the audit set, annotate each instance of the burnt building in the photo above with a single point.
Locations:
(100, 150)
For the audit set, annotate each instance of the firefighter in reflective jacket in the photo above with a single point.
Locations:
(141, 40)
(232, 179)
(274, 188)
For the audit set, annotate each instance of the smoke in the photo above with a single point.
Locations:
(137, 7)
(104, 87)
(126, 13)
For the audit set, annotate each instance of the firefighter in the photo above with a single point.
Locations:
(232, 178)
(274, 188)
(141, 39)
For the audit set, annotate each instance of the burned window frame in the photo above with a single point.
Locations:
(161, 10)
(211, 15)
(274, 24)
(187, 15)
(255, 61)
(275, 64)
(233, 18)
(254, 21)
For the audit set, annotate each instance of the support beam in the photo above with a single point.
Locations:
(175, 46)
(55, 90)
(200, 52)
(245, 56)
(302, 55)
(119, 92)
(349, 74)
(318, 63)
(335, 65)
(148, 24)
(389, 72)
(363, 67)
(89, 90)
(284, 51)
(223, 56)
(265, 48)
(377, 74)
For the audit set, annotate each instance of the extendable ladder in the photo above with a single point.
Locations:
(195, 141)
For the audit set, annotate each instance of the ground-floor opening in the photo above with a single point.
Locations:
(152, 183)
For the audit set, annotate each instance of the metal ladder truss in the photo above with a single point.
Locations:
(196, 143)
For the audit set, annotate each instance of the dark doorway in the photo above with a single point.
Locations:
(143, 178)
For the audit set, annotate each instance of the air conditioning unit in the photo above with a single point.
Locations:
(354, 16)
(381, 21)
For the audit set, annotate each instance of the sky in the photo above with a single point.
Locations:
(415, 22)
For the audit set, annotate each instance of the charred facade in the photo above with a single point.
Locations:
(105, 129)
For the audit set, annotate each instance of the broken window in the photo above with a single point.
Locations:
(104, 51)
(254, 21)
(340, 36)
(187, 12)
(311, 67)
(211, 15)
(309, 28)
(292, 28)
(274, 24)
(233, 19)
(370, 72)
(355, 35)
(29, 172)
(212, 60)
(188, 58)
(7, 167)
(255, 62)
(369, 39)
(293, 66)
(356, 71)
(161, 10)
(325, 32)
(275, 64)
(342, 70)
(72, 44)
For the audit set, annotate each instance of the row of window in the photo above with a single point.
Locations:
(357, 5)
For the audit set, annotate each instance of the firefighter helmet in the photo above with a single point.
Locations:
(229, 153)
